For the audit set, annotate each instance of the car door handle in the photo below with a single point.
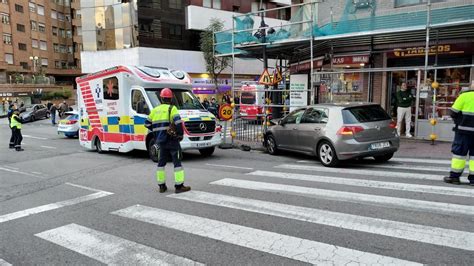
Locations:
(294, 128)
(317, 129)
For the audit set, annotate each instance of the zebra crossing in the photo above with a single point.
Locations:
(378, 183)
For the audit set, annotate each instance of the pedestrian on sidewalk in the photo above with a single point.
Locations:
(462, 113)
(165, 122)
(404, 103)
(53, 111)
(15, 125)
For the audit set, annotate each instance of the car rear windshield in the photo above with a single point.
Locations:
(364, 114)
(72, 117)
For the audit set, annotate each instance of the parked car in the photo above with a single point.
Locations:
(35, 112)
(69, 126)
(336, 132)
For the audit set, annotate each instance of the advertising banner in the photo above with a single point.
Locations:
(298, 91)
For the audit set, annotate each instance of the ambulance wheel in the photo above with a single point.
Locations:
(207, 151)
(98, 145)
(153, 150)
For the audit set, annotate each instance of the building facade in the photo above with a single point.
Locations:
(40, 46)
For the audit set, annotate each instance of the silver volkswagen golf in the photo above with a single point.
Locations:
(335, 132)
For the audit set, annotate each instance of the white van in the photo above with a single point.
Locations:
(114, 103)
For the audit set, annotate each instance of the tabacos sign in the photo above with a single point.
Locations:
(420, 51)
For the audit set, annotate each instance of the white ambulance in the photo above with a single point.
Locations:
(113, 105)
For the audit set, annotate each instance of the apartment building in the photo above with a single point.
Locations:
(38, 38)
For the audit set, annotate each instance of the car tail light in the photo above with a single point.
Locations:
(393, 124)
(349, 130)
(71, 122)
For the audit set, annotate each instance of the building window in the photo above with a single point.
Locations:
(54, 14)
(175, 31)
(34, 43)
(43, 45)
(175, 4)
(216, 4)
(56, 47)
(41, 27)
(41, 10)
(34, 25)
(18, 8)
(7, 39)
(20, 27)
(57, 64)
(22, 46)
(9, 59)
(32, 7)
(44, 62)
(110, 89)
(5, 18)
(79, 31)
(77, 13)
(63, 64)
(70, 49)
(68, 34)
(402, 3)
(60, 16)
(63, 49)
(24, 65)
(235, 8)
(67, 17)
(62, 33)
(4, 1)
(55, 31)
(207, 3)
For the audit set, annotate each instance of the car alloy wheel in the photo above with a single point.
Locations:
(327, 154)
(271, 145)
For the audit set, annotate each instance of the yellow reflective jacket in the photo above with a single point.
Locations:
(462, 112)
(160, 119)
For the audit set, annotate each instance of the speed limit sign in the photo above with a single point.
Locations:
(225, 112)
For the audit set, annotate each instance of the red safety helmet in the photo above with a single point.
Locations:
(166, 93)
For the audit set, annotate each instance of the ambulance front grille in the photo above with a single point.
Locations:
(199, 127)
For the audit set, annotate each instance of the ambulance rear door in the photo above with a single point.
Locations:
(111, 113)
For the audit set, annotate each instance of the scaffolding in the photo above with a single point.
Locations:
(295, 41)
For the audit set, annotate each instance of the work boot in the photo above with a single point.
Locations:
(452, 180)
(11, 147)
(163, 188)
(181, 188)
(19, 149)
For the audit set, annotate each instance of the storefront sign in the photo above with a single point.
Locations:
(207, 86)
(420, 51)
(317, 63)
(298, 91)
(15, 94)
(349, 60)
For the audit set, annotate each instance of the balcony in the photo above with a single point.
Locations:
(195, 15)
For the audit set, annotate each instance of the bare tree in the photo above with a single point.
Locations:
(214, 65)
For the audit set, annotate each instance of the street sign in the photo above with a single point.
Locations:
(265, 78)
(225, 112)
(277, 77)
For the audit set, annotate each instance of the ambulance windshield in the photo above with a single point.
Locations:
(183, 99)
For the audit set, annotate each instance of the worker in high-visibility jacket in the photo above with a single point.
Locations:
(165, 122)
(462, 113)
(15, 125)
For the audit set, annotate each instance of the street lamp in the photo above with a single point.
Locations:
(35, 60)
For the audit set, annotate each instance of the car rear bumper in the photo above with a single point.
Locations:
(350, 148)
(68, 130)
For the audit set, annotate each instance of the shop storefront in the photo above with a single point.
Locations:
(204, 87)
(14, 97)
(452, 80)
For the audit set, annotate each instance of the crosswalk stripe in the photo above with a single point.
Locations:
(4, 263)
(52, 206)
(367, 172)
(462, 192)
(405, 167)
(417, 160)
(260, 240)
(411, 204)
(415, 232)
(109, 249)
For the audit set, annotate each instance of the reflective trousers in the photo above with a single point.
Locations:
(462, 149)
(168, 153)
(12, 139)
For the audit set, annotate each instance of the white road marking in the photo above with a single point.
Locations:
(11, 167)
(4, 263)
(109, 249)
(417, 160)
(405, 167)
(33, 137)
(260, 240)
(48, 147)
(52, 206)
(366, 172)
(229, 166)
(410, 204)
(304, 161)
(415, 232)
(462, 192)
(84, 187)
(37, 173)
(19, 172)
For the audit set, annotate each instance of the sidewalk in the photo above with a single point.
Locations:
(412, 148)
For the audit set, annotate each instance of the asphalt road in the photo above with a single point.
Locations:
(60, 204)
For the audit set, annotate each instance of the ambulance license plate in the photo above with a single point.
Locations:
(204, 144)
(380, 145)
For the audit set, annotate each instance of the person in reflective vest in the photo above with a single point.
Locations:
(462, 113)
(15, 125)
(165, 122)
(11, 109)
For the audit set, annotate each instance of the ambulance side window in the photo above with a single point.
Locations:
(111, 88)
(139, 104)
